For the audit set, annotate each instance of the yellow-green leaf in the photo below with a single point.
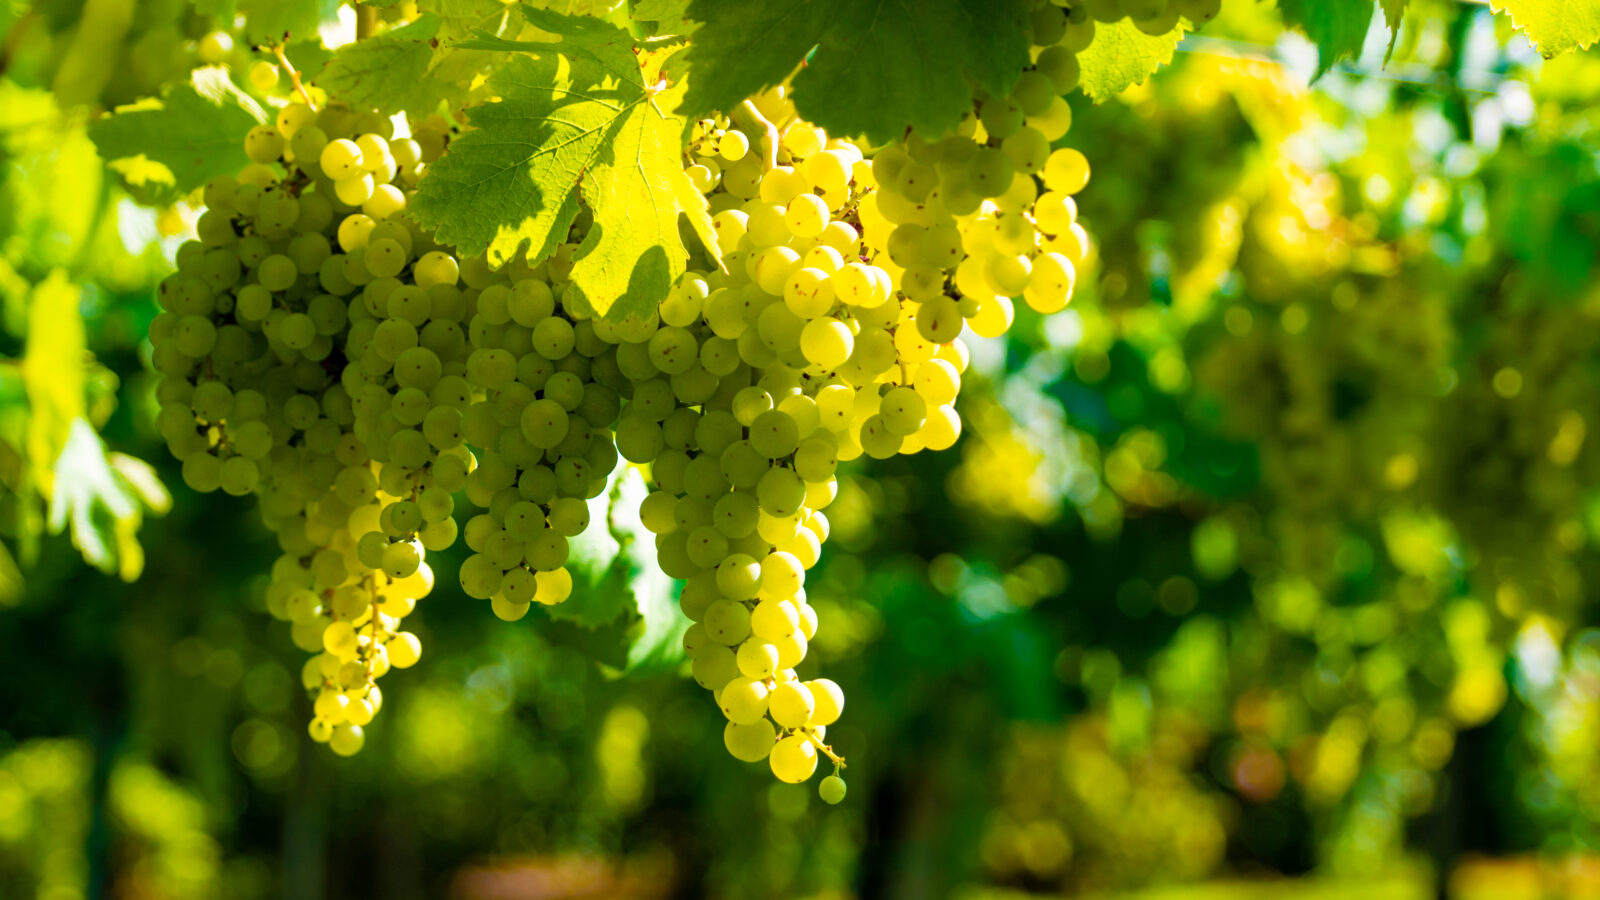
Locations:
(578, 116)
(1554, 27)
(1121, 57)
(53, 372)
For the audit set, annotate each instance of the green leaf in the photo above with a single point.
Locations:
(267, 21)
(1121, 57)
(389, 72)
(623, 606)
(1393, 12)
(669, 16)
(599, 570)
(193, 132)
(1338, 27)
(880, 66)
(658, 638)
(459, 18)
(102, 508)
(1554, 27)
(308, 56)
(584, 118)
(53, 372)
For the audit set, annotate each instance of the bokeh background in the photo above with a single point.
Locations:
(1264, 571)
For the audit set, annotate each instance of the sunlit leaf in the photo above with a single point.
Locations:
(1554, 27)
(1121, 57)
(585, 117)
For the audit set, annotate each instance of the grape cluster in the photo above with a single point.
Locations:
(319, 351)
(322, 353)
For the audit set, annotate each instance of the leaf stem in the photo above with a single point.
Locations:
(294, 77)
(771, 132)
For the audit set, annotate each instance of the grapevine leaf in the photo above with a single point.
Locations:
(879, 65)
(193, 131)
(1393, 12)
(388, 72)
(1121, 57)
(267, 21)
(582, 117)
(599, 570)
(308, 56)
(53, 372)
(658, 636)
(86, 489)
(1554, 27)
(101, 506)
(1339, 29)
(620, 596)
(459, 18)
(670, 16)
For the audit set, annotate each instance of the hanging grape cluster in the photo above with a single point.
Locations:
(322, 353)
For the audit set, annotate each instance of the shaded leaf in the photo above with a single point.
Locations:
(1339, 28)
(267, 21)
(1393, 12)
(880, 66)
(195, 131)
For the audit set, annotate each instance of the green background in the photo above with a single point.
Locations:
(1270, 558)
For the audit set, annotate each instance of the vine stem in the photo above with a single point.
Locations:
(294, 77)
(366, 21)
(771, 130)
(827, 751)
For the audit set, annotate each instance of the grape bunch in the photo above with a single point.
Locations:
(321, 352)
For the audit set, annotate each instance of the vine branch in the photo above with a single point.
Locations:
(771, 132)
(294, 76)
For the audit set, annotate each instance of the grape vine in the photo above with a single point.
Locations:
(324, 350)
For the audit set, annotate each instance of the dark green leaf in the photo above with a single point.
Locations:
(880, 66)
(1338, 27)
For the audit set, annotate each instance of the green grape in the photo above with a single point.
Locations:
(355, 189)
(749, 743)
(277, 272)
(831, 789)
(264, 76)
(545, 423)
(214, 47)
(793, 758)
(1066, 170)
(744, 700)
(806, 215)
(340, 159)
(791, 704)
(436, 267)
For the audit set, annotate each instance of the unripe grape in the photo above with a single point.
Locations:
(791, 704)
(793, 759)
(749, 743)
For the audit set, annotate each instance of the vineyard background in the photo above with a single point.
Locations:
(1271, 556)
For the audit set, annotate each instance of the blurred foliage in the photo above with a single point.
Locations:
(1270, 557)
